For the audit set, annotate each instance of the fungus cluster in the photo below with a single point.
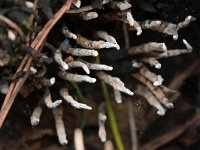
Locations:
(79, 51)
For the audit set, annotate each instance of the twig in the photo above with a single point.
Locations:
(170, 135)
(179, 78)
(133, 130)
(4, 111)
(126, 36)
(36, 44)
(112, 118)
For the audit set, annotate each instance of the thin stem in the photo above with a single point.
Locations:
(111, 114)
(13, 25)
(82, 100)
(132, 126)
(112, 118)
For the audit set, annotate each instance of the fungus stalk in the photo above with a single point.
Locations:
(36, 114)
(114, 82)
(78, 140)
(48, 101)
(95, 44)
(81, 52)
(101, 120)
(75, 77)
(64, 93)
(117, 96)
(60, 127)
(73, 64)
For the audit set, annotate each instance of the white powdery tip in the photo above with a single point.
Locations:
(109, 68)
(29, 4)
(118, 47)
(55, 104)
(167, 104)
(105, 67)
(103, 138)
(102, 133)
(164, 46)
(34, 121)
(175, 37)
(80, 105)
(86, 70)
(11, 35)
(189, 47)
(155, 63)
(139, 31)
(64, 65)
(170, 105)
(130, 18)
(124, 5)
(74, 103)
(33, 70)
(158, 66)
(84, 106)
(159, 81)
(161, 112)
(127, 91)
(158, 22)
(77, 3)
(108, 38)
(92, 15)
(52, 80)
(102, 117)
(73, 36)
(117, 95)
(115, 82)
(110, 45)
(112, 40)
(4, 88)
(79, 64)
(88, 79)
(92, 80)
(119, 101)
(189, 17)
(95, 53)
(136, 64)
(63, 141)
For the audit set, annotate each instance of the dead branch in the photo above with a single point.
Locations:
(170, 135)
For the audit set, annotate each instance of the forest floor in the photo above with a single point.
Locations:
(179, 129)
